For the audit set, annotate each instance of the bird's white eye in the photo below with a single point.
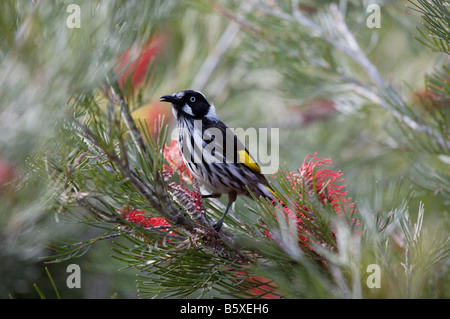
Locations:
(192, 99)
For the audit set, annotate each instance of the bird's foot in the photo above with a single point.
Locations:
(217, 226)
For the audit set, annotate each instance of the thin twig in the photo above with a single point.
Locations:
(105, 237)
(220, 243)
(128, 119)
(349, 46)
(212, 61)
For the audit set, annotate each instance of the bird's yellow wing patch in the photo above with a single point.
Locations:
(248, 161)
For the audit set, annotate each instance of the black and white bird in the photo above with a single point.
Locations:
(213, 153)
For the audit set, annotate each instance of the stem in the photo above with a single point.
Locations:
(156, 195)
(348, 45)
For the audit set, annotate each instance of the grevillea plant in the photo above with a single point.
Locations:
(302, 216)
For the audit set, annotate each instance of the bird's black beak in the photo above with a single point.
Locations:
(169, 98)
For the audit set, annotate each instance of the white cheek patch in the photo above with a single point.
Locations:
(187, 109)
(212, 113)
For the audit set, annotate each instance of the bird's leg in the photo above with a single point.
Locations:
(217, 226)
(231, 199)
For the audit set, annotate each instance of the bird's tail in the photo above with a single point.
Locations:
(269, 194)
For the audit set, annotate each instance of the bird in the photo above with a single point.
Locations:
(213, 153)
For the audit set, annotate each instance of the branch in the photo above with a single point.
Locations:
(359, 57)
(349, 46)
(158, 202)
(156, 195)
(105, 237)
(214, 58)
(127, 118)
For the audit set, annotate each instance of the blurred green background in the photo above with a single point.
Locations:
(253, 70)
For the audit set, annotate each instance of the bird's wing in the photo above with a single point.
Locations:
(230, 149)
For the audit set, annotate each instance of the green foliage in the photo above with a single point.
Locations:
(312, 68)
(436, 18)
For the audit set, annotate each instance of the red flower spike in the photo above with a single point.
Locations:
(133, 64)
(326, 183)
(256, 285)
(263, 290)
(167, 172)
(190, 200)
(173, 156)
(7, 172)
(139, 217)
(323, 183)
(260, 287)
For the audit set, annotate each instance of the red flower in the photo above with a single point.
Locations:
(139, 217)
(327, 184)
(133, 64)
(7, 172)
(167, 172)
(258, 286)
(313, 181)
(8, 177)
(432, 99)
(190, 200)
(265, 289)
(173, 155)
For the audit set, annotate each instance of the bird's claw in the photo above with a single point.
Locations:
(217, 226)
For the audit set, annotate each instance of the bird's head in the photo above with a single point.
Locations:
(191, 104)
